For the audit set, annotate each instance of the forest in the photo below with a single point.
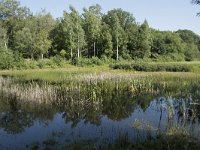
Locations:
(90, 36)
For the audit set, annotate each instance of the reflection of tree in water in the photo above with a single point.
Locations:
(94, 102)
(15, 121)
(119, 104)
(76, 110)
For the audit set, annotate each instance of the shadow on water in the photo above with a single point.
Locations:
(36, 115)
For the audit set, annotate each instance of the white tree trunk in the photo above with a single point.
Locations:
(94, 49)
(78, 48)
(117, 49)
(5, 42)
(71, 53)
(6, 47)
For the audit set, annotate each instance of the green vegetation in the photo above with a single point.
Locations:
(152, 67)
(90, 38)
(163, 142)
(73, 74)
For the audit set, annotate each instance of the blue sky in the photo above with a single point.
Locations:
(160, 14)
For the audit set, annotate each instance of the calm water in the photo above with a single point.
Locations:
(45, 115)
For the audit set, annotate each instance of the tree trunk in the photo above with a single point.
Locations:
(31, 56)
(5, 42)
(94, 49)
(117, 49)
(42, 56)
(71, 54)
(78, 47)
(6, 47)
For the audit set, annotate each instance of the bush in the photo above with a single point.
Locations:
(6, 60)
(19, 61)
(152, 67)
(57, 61)
(31, 64)
(46, 63)
(87, 62)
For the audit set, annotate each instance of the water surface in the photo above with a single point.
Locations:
(56, 116)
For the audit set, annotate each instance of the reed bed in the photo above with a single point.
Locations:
(94, 84)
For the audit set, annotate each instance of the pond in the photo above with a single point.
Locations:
(39, 115)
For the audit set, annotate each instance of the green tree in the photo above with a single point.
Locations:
(57, 35)
(24, 40)
(3, 39)
(69, 34)
(106, 45)
(12, 8)
(12, 17)
(42, 43)
(92, 28)
(119, 21)
(143, 41)
(77, 29)
(191, 41)
(132, 33)
(69, 38)
(43, 25)
(125, 18)
(34, 39)
(158, 44)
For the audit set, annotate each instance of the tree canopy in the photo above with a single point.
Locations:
(112, 35)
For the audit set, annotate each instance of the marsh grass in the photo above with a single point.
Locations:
(89, 73)
(44, 84)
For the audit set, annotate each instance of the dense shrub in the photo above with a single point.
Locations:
(151, 67)
(87, 61)
(6, 60)
(18, 61)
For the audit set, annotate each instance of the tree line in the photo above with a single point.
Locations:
(112, 35)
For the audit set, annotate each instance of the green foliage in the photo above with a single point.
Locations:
(106, 45)
(63, 53)
(10, 8)
(19, 61)
(10, 60)
(87, 62)
(191, 41)
(113, 35)
(118, 22)
(165, 142)
(92, 28)
(53, 62)
(151, 67)
(143, 42)
(24, 40)
(6, 60)
(170, 46)
(3, 38)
